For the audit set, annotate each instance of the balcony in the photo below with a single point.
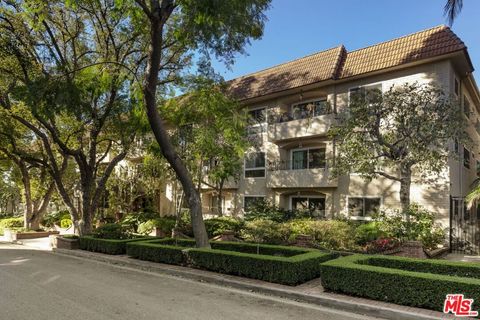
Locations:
(281, 175)
(288, 127)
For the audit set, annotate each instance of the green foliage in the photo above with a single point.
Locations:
(111, 231)
(108, 246)
(405, 281)
(165, 224)
(66, 223)
(132, 221)
(327, 234)
(266, 231)
(216, 226)
(265, 209)
(156, 251)
(54, 218)
(394, 133)
(285, 270)
(11, 223)
(367, 232)
(416, 223)
(287, 265)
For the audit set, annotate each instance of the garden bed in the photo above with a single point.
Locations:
(405, 281)
(108, 246)
(14, 235)
(279, 264)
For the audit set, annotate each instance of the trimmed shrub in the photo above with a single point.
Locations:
(368, 232)
(285, 270)
(216, 226)
(108, 246)
(287, 265)
(157, 251)
(405, 281)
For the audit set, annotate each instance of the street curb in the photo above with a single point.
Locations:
(321, 300)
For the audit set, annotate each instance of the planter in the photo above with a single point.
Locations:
(411, 249)
(59, 242)
(12, 235)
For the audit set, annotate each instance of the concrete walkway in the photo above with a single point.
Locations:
(462, 257)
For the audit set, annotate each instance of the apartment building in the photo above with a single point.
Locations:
(293, 105)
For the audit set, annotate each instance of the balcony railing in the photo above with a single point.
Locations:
(291, 116)
(295, 165)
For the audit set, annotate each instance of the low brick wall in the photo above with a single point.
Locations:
(31, 235)
(411, 249)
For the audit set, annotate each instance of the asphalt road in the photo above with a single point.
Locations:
(40, 285)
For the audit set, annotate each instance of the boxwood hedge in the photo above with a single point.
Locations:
(280, 264)
(405, 281)
(108, 246)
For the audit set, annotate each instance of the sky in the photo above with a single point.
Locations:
(296, 28)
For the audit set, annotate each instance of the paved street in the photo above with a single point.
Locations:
(40, 285)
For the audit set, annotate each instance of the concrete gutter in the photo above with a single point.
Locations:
(366, 307)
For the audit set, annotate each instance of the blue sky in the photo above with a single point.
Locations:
(296, 28)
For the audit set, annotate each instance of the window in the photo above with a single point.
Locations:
(249, 201)
(256, 116)
(363, 206)
(256, 121)
(478, 168)
(466, 106)
(310, 109)
(308, 158)
(457, 147)
(314, 205)
(457, 87)
(466, 158)
(255, 165)
(365, 93)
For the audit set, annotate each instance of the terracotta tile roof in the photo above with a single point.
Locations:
(307, 70)
(337, 63)
(421, 45)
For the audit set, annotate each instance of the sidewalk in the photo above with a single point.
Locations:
(310, 292)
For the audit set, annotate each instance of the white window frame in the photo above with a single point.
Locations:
(362, 217)
(251, 196)
(256, 168)
(308, 165)
(307, 101)
(364, 86)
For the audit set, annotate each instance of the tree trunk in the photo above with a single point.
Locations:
(405, 182)
(220, 195)
(157, 19)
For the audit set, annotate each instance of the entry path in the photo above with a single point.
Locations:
(40, 285)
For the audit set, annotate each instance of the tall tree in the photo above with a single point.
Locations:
(212, 134)
(176, 28)
(70, 65)
(452, 9)
(27, 154)
(393, 134)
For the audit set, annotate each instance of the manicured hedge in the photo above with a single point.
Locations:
(285, 270)
(405, 281)
(287, 265)
(108, 246)
(157, 251)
